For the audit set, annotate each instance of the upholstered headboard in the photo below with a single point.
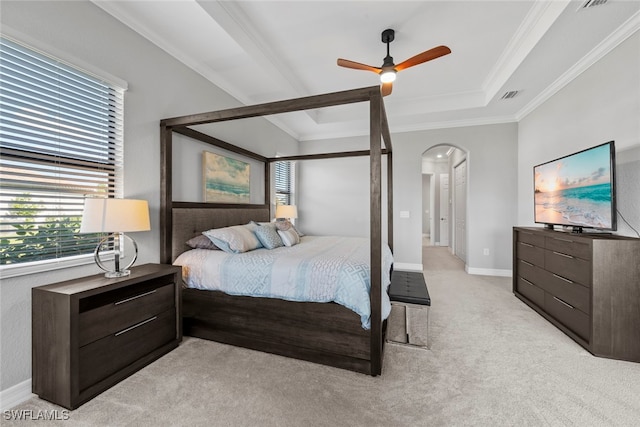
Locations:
(189, 222)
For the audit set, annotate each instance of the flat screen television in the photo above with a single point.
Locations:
(577, 190)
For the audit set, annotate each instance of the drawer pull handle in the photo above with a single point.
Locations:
(136, 325)
(563, 279)
(564, 255)
(525, 262)
(526, 244)
(136, 297)
(527, 282)
(564, 303)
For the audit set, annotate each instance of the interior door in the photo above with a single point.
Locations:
(460, 210)
(444, 209)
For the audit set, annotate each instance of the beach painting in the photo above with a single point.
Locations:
(575, 190)
(225, 180)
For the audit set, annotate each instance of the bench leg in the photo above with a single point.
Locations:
(416, 340)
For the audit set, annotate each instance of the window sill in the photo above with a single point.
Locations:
(26, 268)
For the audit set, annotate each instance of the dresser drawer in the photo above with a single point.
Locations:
(530, 272)
(530, 253)
(566, 245)
(569, 316)
(530, 291)
(127, 309)
(110, 354)
(570, 292)
(575, 269)
(535, 239)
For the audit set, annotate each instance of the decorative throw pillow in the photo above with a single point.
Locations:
(235, 239)
(268, 236)
(289, 237)
(283, 224)
(201, 242)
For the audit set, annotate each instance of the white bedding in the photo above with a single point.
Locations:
(319, 269)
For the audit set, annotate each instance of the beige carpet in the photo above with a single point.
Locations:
(492, 362)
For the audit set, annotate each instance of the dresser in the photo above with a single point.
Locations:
(587, 285)
(90, 333)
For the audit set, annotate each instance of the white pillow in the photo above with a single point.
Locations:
(289, 237)
(235, 239)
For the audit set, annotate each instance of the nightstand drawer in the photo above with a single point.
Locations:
(126, 310)
(102, 358)
(569, 316)
(570, 267)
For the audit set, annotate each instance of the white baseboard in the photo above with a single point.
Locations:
(488, 271)
(15, 395)
(403, 266)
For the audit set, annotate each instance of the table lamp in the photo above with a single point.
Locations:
(115, 216)
(286, 211)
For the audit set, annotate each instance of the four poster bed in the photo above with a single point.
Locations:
(321, 332)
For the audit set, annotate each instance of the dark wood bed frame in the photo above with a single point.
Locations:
(326, 333)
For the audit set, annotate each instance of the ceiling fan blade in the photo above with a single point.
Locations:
(425, 56)
(357, 66)
(386, 88)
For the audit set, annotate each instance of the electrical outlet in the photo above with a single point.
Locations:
(485, 251)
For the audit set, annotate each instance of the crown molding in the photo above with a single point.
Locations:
(626, 30)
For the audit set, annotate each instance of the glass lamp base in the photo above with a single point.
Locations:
(116, 274)
(116, 271)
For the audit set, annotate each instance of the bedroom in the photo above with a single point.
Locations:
(609, 111)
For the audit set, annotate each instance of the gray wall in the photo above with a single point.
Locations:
(333, 196)
(492, 156)
(601, 105)
(158, 87)
(491, 191)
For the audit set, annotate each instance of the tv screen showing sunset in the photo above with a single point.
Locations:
(575, 190)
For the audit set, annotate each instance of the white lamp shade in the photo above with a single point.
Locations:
(286, 211)
(115, 215)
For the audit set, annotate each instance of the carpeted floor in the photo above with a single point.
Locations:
(492, 362)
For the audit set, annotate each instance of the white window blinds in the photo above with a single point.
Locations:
(283, 182)
(60, 140)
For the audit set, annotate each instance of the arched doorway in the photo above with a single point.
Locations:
(444, 198)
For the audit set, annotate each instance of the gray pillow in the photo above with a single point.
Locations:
(202, 242)
(235, 239)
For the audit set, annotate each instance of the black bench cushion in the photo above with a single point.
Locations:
(409, 287)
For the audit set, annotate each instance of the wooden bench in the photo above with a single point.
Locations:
(410, 302)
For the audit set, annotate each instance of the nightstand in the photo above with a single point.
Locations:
(90, 333)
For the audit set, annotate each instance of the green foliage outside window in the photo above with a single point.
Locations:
(38, 238)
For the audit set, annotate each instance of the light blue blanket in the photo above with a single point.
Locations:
(319, 269)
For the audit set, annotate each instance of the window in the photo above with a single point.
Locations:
(284, 171)
(60, 140)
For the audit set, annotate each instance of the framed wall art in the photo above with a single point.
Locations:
(225, 180)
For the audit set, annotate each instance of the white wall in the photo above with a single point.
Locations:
(158, 87)
(601, 105)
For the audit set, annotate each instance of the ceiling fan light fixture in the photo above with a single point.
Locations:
(388, 76)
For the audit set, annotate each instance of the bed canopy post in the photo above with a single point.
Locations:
(166, 196)
(375, 295)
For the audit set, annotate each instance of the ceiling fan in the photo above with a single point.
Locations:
(388, 69)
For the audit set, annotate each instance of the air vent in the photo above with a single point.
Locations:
(592, 3)
(510, 94)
